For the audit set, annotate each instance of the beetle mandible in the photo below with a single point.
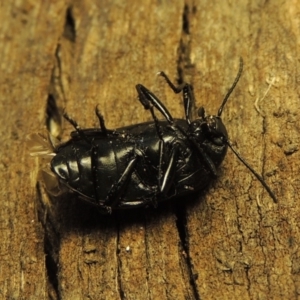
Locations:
(144, 164)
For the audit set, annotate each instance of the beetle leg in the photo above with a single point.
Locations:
(163, 179)
(209, 163)
(117, 190)
(101, 121)
(77, 127)
(188, 95)
(156, 122)
(161, 160)
(168, 177)
(148, 99)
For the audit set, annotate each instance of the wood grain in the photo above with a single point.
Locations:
(230, 242)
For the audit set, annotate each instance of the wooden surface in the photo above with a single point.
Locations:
(232, 242)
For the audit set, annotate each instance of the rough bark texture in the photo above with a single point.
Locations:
(232, 241)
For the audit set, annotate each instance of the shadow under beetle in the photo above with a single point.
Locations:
(144, 164)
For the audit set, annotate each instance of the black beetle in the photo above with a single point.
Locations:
(146, 163)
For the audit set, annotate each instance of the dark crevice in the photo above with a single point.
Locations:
(51, 268)
(53, 117)
(56, 92)
(69, 28)
(119, 262)
(147, 251)
(58, 62)
(185, 71)
(53, 121)
(184, 64)
(181, 227)
(51, 245)
(56, 79)
(185, 20)
(185, 68)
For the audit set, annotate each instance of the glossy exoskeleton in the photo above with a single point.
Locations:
(146, 163)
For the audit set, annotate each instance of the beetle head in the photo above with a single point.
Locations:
(209, 128)
(209, 136)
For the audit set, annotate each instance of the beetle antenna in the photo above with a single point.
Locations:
(259, 178)
(232, 87)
